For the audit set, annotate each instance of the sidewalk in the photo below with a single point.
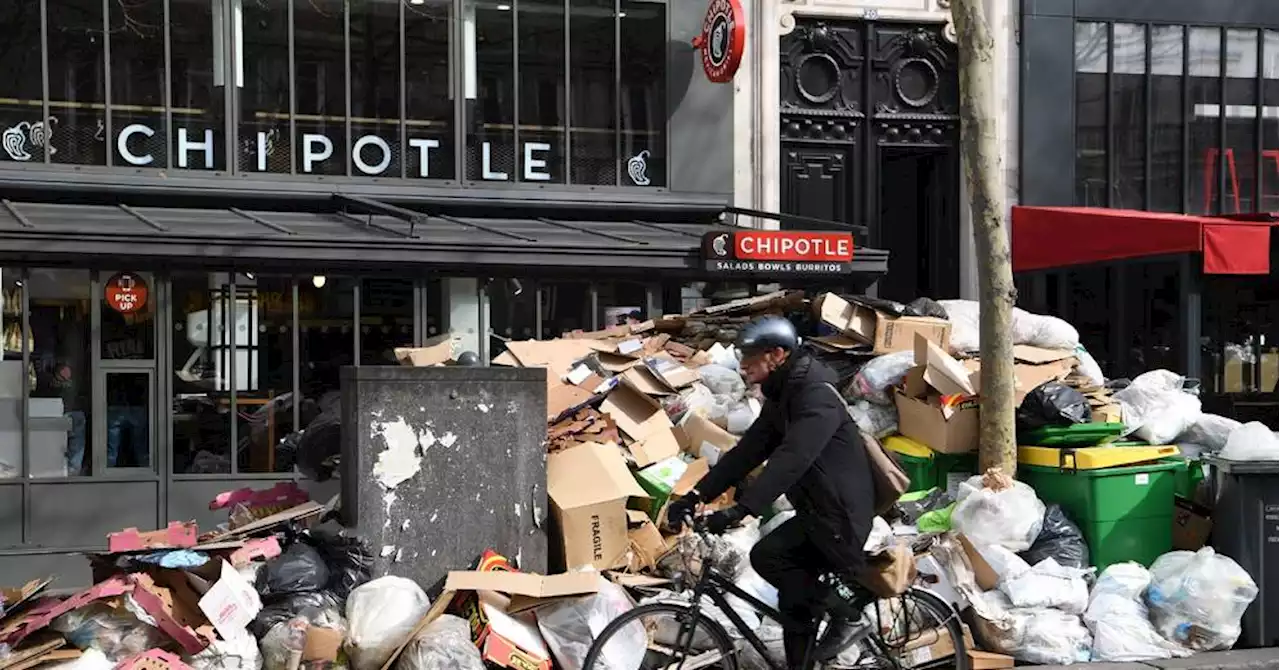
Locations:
(1249, 659)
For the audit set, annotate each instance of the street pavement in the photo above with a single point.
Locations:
(1248, 659)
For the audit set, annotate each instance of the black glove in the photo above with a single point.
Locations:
(680, 511)
(725, 519)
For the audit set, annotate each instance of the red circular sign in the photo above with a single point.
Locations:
(126, 292)
(723, 39)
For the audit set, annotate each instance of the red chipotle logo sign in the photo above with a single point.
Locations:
(722, 39)
(778, 252)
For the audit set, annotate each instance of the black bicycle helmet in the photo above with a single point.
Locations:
(468, 359)
(767, 333)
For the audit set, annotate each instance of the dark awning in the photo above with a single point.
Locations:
(1054, 237)
(358, 232)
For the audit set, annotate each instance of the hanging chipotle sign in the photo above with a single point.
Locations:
(126, 292)
(722, 40)
(778, 252)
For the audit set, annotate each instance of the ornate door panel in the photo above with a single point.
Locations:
(852, 93)
(817, 180)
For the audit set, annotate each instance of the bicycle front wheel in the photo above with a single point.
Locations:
(662, 635)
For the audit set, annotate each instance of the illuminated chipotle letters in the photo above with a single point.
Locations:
(370, 155)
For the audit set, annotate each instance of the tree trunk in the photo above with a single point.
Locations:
(981, 151)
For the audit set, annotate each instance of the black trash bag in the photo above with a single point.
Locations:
(318, 446)
(349, 559)
(1053, 404)
(1059, 539)
(300, 569)
(315, 606)
(890, 307)
(926, 307)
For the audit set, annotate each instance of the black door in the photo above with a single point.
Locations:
(869, 133)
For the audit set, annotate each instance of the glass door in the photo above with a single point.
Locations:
(128, 419)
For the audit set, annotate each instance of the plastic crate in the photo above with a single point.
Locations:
(1125, 513)
(929, 469)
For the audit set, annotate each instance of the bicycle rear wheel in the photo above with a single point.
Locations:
(917, 630)
(650, 636)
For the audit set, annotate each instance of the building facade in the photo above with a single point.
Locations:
(211, 206)
(849, 112)
(1158, 107)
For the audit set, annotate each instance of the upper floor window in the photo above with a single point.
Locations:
(543, 91)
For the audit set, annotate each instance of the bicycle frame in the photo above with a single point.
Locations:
(716, 586)
(722, 585)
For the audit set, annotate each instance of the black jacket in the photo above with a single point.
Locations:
(815, 456)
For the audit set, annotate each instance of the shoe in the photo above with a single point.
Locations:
(840, 635)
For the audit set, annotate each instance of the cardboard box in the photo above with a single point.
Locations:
(984, 575)
(1192, 524)
(527, 590)
(884, 332)
(935, 645)
(322, 644)
(702, 438)
(589, 486)
(1034, 366)
(935, 403)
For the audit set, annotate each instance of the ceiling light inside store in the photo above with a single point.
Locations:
(504, 8)
(622, 15)
(417, 2)
(318, 281)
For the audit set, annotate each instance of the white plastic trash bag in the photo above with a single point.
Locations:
(380, 615)
(1197, 599)
(875, 380)
(1010, 518)
(1209, 431)
(1155, 408)
(1036, 330)
(1119, 620)
(1041, 636)
(1049, 585)
(1252, 442)
(569, 628)
(445, 644)
(238, 652)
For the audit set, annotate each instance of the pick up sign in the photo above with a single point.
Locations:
(776, 252)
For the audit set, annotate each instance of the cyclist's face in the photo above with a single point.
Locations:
(756, 368)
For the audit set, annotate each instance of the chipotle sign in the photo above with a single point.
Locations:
(778, 252)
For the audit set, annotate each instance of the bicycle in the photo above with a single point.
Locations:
(715, 647)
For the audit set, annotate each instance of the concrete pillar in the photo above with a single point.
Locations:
(466, 314)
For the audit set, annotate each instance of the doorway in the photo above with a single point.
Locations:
(917, 196)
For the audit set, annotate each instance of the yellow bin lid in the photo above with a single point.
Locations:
(1093, 458)
(907, 447)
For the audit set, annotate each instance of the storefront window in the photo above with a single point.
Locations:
(1091, 114)
(264, 406)
(554, 91)
(566, 306)
(1129, 111)
(386, 319)
(326, 339)
(513, 313)
(643, 107)
(61, 426)
(489, 87)
(593, 149)
(265, 137)
(128, 313)
(20, 83)
(1270, 186)
(76, 129)
(1166, 118)
(542, 103)
(429, 90)
(137, 83)
(1240, 109)
(13, 378)
(202, 354)
(375, 88)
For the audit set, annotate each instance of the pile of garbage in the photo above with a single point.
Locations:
(1047, 606)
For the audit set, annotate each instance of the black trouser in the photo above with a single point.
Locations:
(790, 560)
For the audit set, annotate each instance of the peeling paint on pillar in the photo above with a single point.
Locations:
(432, 454)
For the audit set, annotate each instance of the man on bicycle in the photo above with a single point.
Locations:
(815, 456)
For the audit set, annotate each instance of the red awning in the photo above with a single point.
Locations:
(1045, 238)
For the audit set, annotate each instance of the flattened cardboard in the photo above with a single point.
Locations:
(437, 351)
(659, 446)
(637, 415)
(983, 573)
(529, 584)
(1034, 366)
(942, 372)
(16, 597)
(589, 486)
(643, 380)
(670, 372)
(23, 655)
